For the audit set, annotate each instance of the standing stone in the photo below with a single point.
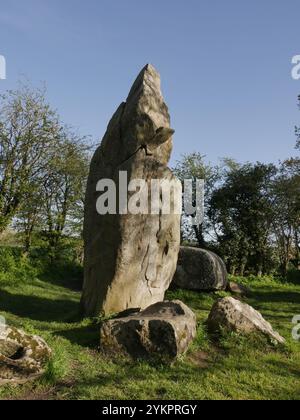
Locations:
(130, 259)
(200, 270)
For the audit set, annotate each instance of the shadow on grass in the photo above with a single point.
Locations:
(87, 336)
(195, 300)
(278, 296)
(285, 368)
(69, 278)
(39, 309)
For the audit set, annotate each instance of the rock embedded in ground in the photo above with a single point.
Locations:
(238, 289)
(163, 331)
(232, 315)
(22, 356)
(130, 259)
(200, 270)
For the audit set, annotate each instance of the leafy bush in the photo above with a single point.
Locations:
(16, 267)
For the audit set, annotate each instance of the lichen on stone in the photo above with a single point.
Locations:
(22, 356)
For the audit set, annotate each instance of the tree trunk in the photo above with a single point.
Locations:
(199, 235)
(242, 270)
(232, 270)
(297, 252)
(284, 268)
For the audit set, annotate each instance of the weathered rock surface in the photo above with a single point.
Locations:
(198, 269)
(163, 331)
(22, 356)
(233, 315)
(238, 289)
(130, 259)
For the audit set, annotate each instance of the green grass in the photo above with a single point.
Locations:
(233, 368)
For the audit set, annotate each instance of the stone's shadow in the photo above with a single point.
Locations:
(286, 368)
(276, 296)
(88, 336)
(39, 309)
(264, 300)
(73, 282)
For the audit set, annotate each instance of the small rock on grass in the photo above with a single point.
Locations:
(233, 315)
(238, 289)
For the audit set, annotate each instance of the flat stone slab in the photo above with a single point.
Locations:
(163, 330)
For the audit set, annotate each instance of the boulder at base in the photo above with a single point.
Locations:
(198, 269)
(22, 356)
(162, 331)
(233, 315)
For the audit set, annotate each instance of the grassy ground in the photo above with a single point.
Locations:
(234, 368)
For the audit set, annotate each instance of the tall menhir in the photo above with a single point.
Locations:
(130, 259)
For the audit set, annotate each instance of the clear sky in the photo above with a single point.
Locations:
(225, 66)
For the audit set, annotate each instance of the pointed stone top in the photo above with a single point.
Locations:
(149, 67)
(148, 78)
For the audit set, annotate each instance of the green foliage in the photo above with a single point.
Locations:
(29, 133)
(15, 267)
(242, 210)
(286, 221)
(252, 213)
(57, 367)
(297, 130)
(43, 169)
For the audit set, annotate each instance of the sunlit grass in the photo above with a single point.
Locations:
(233, 368)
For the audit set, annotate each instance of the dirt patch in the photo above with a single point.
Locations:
(49, 394)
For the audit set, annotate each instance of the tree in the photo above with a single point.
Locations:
(29, 217)
(63, 191)
(297, 130)
(192, 166)
(29, 133)
(286, 220)
(241, 211)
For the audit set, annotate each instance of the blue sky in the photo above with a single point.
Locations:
(225, 66)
